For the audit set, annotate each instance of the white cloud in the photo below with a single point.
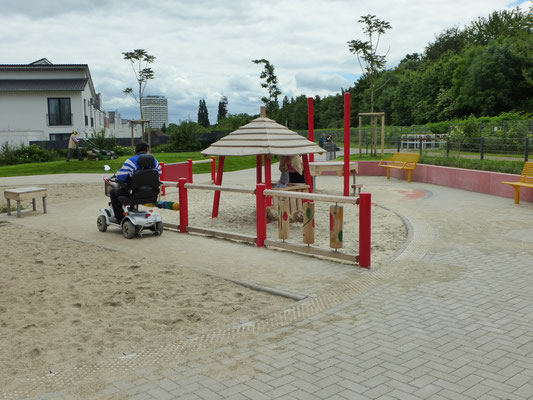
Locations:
(204, 48)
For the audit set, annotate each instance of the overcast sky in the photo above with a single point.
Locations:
(204, 48)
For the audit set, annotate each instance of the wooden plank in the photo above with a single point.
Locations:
(311, 250)
(236, 189)
(202, 161)
(312, 196)
(222, 234)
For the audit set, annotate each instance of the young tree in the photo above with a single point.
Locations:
(139, 60)
(270, 83)
(203, 114)
(222, 108)
(371, 63)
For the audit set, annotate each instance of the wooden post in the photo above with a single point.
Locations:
(365, 204)
(309, 223)
(360, 136)
(347, 144)
(184, 207)
(189, 173)
(132, 138)
(216, 201)
(213, 169)
(283, 219)
(163, 178)
(311, 124)
(335, 226)
(260, 214)
(268, 178)
(307, 172)
(258, 169)
(382, 135)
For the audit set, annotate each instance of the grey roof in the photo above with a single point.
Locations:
(262, 136)
(31, 85)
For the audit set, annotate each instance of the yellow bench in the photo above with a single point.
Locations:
(526, 180)
(405, 161)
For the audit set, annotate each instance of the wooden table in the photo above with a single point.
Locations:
(24, 194)
(317, 168)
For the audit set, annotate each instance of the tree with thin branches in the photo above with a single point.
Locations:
(139, 60)
(271, 84)
(366, 51)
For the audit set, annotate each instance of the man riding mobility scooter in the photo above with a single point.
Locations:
(143, 189)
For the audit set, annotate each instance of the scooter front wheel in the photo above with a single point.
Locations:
(158, 228)
(128, 230)
(101, 223)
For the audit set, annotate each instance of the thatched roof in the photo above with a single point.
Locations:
(262, 136)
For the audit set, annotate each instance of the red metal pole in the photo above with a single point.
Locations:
(307, 173)
(258, 171)
(347, 144)
(213, 169)
(261, 214)
(365, 204)
(216, 201)
(190, 170)
(311, 124)
(163, 188)
(184, 208)
(268, 178)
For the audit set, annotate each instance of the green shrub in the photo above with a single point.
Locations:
(10, 155)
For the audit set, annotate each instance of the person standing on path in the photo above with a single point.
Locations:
(74, 146)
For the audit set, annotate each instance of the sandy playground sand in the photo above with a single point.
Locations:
(66, 301)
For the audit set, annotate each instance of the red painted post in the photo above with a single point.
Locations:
(213, 169)
(184, 207)
(307, 173)
(268, 178)
(258, 169)
(347, 144)
(190, 170)
(365, 210)
(216, 201)
(260, 214)
(162, 178)
(311, 124)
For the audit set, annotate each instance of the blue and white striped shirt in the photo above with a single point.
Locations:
(130, 166)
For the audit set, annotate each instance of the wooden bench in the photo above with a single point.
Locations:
(24, 194)
(405, 161)
(526, 180)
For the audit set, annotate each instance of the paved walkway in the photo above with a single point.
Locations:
(450, 317)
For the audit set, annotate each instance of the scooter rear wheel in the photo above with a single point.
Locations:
(128, 230)
(101, 223)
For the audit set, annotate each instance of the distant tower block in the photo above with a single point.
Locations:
(309, 223)
(335, 227)
(283, 219)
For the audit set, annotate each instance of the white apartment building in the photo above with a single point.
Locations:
(120, 127)
(155, 108)
(45, 101)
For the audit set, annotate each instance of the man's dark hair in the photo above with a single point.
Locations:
(141, 147)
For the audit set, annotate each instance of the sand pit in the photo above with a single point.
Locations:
(68, 301)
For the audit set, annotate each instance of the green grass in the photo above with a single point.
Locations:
(237, 163)
(87, 166)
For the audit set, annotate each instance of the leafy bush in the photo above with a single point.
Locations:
(10, 155)
(186, 136)
(100, 141)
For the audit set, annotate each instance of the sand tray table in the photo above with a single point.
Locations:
(24, 194)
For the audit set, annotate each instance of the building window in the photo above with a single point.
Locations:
(59, 111)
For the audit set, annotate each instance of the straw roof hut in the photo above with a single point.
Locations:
(262, 136)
